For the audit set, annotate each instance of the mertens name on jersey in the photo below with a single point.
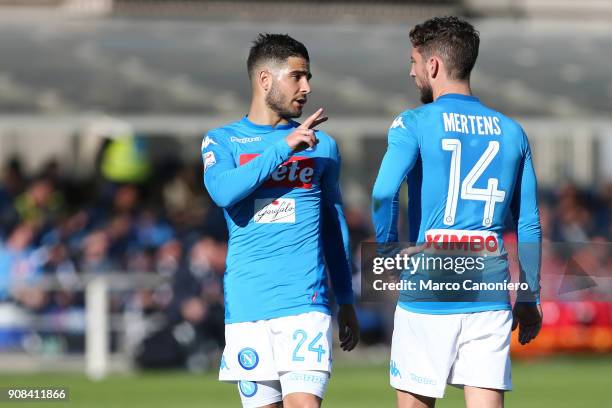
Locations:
(471, 124)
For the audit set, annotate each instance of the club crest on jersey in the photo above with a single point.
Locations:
(248, 358)
(207, 141)
(297, 172)
(398, 122)
(247, 388)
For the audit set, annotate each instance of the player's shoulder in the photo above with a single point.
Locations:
(511, 128)
(410, 117)
(220, 135)
(325, 137)
(512, 124)
(509, 124)
(326, 143)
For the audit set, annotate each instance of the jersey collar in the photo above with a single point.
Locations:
(459, 96)
(266, 128)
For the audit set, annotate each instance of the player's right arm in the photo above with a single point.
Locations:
(227, 183)
(524, 208)
(527, 311)
(400, 158)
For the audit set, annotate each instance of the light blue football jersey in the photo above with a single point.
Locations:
(285, 220)
(468, 170)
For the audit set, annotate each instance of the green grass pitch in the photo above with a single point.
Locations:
(556, 383)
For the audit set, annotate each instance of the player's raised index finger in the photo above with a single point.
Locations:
(310, 120)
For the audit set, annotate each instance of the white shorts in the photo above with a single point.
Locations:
(428, 351)
(261, 393)
(262, 350)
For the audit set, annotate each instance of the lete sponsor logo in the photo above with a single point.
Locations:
(297, 172)
(274, 210)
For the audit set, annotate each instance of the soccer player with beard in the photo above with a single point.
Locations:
(468, 169)
(277, 181)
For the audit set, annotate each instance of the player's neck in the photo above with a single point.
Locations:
(262, 115)
(461, 88)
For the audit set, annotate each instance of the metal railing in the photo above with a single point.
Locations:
(98, 359)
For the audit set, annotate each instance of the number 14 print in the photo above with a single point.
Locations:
(490, 195)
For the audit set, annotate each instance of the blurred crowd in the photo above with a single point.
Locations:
(54, 229)
(58, 229)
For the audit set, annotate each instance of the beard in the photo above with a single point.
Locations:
(426, 92)
(280, 104)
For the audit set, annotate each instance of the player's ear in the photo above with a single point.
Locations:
(433, 67)
(264, 79)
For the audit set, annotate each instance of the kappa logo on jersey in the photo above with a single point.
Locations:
(274, 210)
(207, 141)
(462, 240)
(398, 122)
(248, 358)
(247, 388)
(297, 172)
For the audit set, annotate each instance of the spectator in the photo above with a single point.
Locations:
(12, 185)
(95, 256)
(20, 269)
(40, 204)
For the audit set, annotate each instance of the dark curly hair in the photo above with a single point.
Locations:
(274, 47)
(454, 40)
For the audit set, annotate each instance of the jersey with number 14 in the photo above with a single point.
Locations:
(468, 168)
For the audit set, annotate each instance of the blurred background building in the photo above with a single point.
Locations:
(103, 104)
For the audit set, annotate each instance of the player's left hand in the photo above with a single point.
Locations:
(528, 318)
(348, 327)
